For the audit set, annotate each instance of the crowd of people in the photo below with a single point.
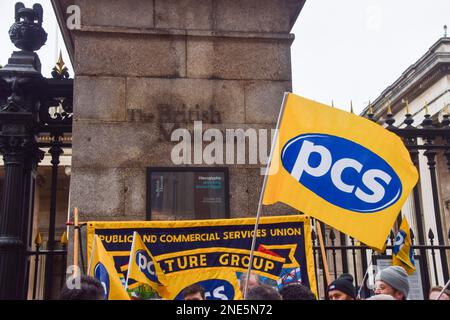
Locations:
(390, 284)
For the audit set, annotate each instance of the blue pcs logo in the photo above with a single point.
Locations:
(342, 172)
(215, 289)
(146, 265)
(399, 241)
(101, 274)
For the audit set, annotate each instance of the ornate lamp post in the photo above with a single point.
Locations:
(21, 87)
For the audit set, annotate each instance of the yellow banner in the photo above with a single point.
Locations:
(214, 253)
(341, 169)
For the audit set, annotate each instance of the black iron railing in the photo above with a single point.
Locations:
(362, 259)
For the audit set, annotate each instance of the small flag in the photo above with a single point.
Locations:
(144, 269)
(101, 267)
(403, 253)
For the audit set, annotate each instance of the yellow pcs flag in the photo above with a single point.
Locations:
(101, 266)
(144, 269)
(340, 168)
(403, 253)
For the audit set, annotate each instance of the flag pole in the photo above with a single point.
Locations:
(68, 218)
(261, 195)
(443, 289)
(322, 250)
(94, 241)
(364, 278)
(130, 259)
(75, 241)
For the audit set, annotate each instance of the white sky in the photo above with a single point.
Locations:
(354, 49)
(344, 49)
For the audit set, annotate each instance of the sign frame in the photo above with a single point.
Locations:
(151, 170)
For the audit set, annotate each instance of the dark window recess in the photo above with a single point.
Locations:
(187, 193)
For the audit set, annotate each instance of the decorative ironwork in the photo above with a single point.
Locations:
(60, 71)
(27, 32)
(55, 115)
(56, 109)
(30, 105)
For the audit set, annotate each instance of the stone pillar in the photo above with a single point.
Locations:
(134, 58)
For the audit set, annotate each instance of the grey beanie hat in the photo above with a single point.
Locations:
(396, 277)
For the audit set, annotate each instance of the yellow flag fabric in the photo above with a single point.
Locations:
(101, 266)
(403, 253)
(340, 168)
(223, 280)
(144, 269)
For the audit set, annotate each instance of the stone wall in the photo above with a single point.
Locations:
(131, 57)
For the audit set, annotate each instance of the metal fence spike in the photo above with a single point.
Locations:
(332, 235)
(430, 234)
(391, 235)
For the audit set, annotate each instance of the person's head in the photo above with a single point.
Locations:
(392, 281)
(342, 288)
(435, 291)
(194, 292)
(296, 291)
(263, 292)
(83, 288)
(253, 280)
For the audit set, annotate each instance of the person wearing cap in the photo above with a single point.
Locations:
(393, 281)
(436, 291)
(342, 288)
